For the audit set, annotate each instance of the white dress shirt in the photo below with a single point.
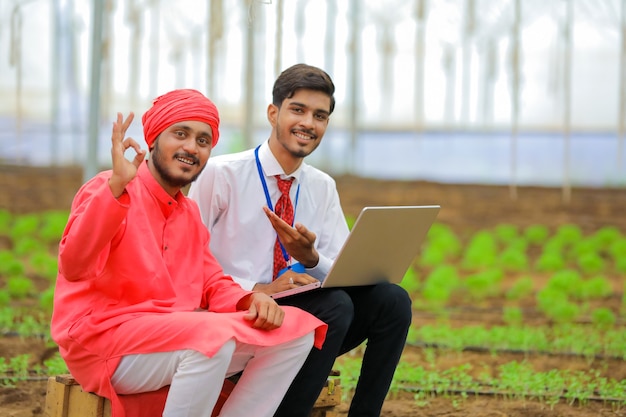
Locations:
(230, 195)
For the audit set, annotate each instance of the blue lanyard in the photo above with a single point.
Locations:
(269, 200)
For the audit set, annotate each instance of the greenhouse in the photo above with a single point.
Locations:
(510, 115)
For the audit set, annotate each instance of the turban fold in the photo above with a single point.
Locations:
(177, 106)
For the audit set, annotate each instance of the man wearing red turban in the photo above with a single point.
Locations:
(140, 301)
(176, 106)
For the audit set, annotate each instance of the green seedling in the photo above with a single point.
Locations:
(441, 237)
(522, 287)
(53, 225)
(5, 298)
(562, 311)
(567, 281)
(45, 265)
(603, 318)
(46, 299)
(27, 245)
(55, 365)
(617, 248)
(25, 225)
(10, 265)
(481, 251)
(591, 263)
(439, 285)
(6, 219)
(569, 233)
(506, 233)
(484, 284)
(620, 265)
(410, 282)
(433, 254)
(606, 235)
(512, 315)
(550, 260)
(594, 288)
(19, 287)
(536, 234)
(513, 259)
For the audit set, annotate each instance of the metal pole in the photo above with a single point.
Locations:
(155, 27)
(622, 91)
(57, 19)
(15, 59)
(278, 65)
(488, 82)
(134, 21)
(249, 78)
(90, 167)
(329, 41)
(470, 23)
(420, 52)
(567, 75)
(215, 22)
(354, 59)
(515, 61)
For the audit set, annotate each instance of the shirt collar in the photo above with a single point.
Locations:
(166, 201)
(271, 166)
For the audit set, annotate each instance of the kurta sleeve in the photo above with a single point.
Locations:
(96, 218)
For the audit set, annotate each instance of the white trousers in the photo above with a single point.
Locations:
(196, 380)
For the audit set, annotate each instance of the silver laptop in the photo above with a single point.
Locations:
(383, 243)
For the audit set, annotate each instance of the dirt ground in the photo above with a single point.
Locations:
(465, 208)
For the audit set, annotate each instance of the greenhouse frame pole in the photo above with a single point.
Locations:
(353, 76)
(515, 83)
(249, 60)
(420, 52)
(567, 92)
(57, 22)
(622, 91)
(90, 167)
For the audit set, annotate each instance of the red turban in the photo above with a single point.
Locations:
(177, 106)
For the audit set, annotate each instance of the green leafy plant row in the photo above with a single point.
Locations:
(24, 323)
(561, 339)
(47, 226)
(507, 247)
(19, 368)
(513, 380)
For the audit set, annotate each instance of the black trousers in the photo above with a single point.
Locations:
(379, 314)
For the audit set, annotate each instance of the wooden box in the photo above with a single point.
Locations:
(66, 398)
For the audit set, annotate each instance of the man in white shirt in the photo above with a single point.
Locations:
(235, 190)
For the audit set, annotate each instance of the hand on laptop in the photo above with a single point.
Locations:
(286, 281)
(298, 241)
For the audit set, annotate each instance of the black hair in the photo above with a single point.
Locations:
(302, 76)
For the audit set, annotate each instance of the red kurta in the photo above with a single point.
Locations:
(140, 265)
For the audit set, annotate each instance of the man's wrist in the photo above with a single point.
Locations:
(313, 263)
(117, 187)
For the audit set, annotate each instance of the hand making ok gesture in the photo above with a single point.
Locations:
(123, 169)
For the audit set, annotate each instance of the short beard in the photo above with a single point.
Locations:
(159, 164)
(299, 153)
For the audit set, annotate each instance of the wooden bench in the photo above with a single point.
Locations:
(65, 398)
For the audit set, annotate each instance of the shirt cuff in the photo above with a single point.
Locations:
(320, 270)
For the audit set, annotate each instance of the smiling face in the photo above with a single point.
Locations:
(298, 126)
(180, 153)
